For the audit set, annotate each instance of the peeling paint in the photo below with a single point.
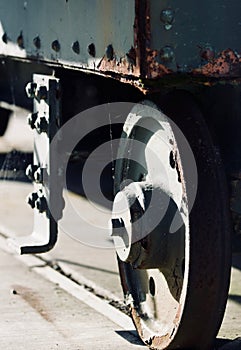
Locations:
(161, 342)
(227, 64)
(122, 66)
(155, 69)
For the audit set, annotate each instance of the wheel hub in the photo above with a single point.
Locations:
(141, 219)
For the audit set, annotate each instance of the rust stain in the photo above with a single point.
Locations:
(155, 69)
(160, 342)
(146, 58)
(125, 65)
(142, 33)
(33, 300)
(137, 321)
(178, 315)
(227, 64)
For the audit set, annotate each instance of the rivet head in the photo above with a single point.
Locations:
(42, 93)
(5, 38)
(42, 125)
(38, 175)
(32, 117)
(109, 52)
(56, 45)
(91, 50)
(167, 18)
(76, 47)
(41, 204)
(20, 40)
(32, 198)
(207, 52)
(37, 42)
(30, 170)
(31, 89)
(167, 54)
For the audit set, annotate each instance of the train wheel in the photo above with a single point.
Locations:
(174, 260)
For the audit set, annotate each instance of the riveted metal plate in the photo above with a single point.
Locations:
(203, 37)
(71, 33)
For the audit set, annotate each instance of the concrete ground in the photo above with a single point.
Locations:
(38, 314)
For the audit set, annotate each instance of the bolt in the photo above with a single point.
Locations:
(91, 49)
(31, 89)
(42, 93)
(42, 125)
(76, 47)
(32, 198)
(207, 53)
(32, 117)
(38, 175)
(167, 54)
(20, 40)
(56, 45)
(41, 204)
(30, 170)
(109, 52)
(5, 38)
(37, 42)
(167, 17)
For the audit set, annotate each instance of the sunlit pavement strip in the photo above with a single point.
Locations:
(230, 328)
(73, 289)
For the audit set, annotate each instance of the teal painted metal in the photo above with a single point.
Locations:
(133, 38)
(195, 32)
(72, 33)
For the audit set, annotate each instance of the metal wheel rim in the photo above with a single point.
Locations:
(188, 311)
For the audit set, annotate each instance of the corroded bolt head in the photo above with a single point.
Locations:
(42, 93)
(167, 17)
(38, 175)
(41, 204)
(31, 89)
(207, 53)
(32, 198)
(167, 54)
(42, 125)
(30, 170)
(32, 117)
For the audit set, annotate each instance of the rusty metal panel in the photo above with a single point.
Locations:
(133, 38)
(188, 36)
(96, 34)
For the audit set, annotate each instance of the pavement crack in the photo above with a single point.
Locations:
(117, 304)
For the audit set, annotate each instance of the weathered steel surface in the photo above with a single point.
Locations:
(187, 36)
(96, 35)
(137, 38)
(202, 308)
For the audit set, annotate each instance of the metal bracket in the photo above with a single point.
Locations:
(46, 199)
